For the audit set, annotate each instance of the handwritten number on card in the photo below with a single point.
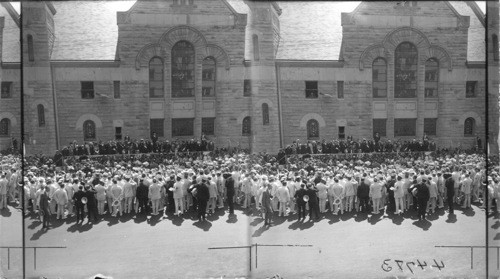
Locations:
(437, 265)
(407, 264)
(400, 264)
(421, 265)
(385, 266)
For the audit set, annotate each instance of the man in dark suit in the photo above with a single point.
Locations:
(266, 205)
(313, 202)
(449, 184)
(45, 208)
(91, 204)
(423, 196)
(142, 196)
(77, 198)
(364, 195)
(202, 196)
(229, 191)
(301, 204)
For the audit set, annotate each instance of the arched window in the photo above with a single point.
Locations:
(495, 47)
(89, 131)
(405, 71)
(209, 77)
(379, 78)
(431, 78)
(5, 127)
(31, 51)
(469, 126)
(183, 69)
(265, 114)
(41, 115)
(247, 126)
(312, 129)
(256, 52)
(156, 77)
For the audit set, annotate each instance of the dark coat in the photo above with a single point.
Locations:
(299, 195)
(363, 190)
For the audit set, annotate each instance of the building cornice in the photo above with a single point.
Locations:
(475, 64)
(310, 63)
(86, 63)
(11, 65)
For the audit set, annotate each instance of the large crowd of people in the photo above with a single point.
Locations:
(142, 184)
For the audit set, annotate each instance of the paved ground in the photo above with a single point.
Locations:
(350, 246)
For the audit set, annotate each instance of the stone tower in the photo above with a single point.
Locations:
(262, 42)
(40, 109)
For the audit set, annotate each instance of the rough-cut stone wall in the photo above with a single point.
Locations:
(38, 79)
(493, 73)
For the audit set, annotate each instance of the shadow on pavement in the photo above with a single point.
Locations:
(496, 225)
(155, 219)
(375, 218)
(139, 218)
(256, 221)
(39, 233)
(80, 227)
(35, 224)
(260, 230)
(301, 225)
(360, 217)
(452, 218)
(497, 237)
(232, 218)
(423, 224)
(6, 212)
(204, 225)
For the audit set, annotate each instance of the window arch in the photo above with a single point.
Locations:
(5, 127)
(156, 77)
(247, 126)
(405, 71)
(183, 58)
(379, 78)
(256, 50)
(89, 133)
(265, 114)
(469, 126)
(31, 50)
(41, 115)
(431, 78)
(312, 129)
(209, 77)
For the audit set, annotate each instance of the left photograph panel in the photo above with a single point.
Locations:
(11, 189)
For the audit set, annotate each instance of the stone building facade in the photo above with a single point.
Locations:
(255, 74)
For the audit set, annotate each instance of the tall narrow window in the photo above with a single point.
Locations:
(256, 51)
(5, 127)
(247, 88)
(312, 129)
(182, 127)
(246, 128)
(495, 47)
(469, 126)
(6, 90)
(265, 114)
(379, 78)
(118, 133)
(341, 132)
(380, 127)
(183, 69)
(470, 89)
(156, 126)
(41, 115)
(404, 127)
(405, 71)
(156, 78)
(431, 78)
(430, 126)
(311, 89)
(208, 77)
(89, 131)
(208, 126)
(31, 50)
(340, 89)
(87, 89)
(116, 89)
